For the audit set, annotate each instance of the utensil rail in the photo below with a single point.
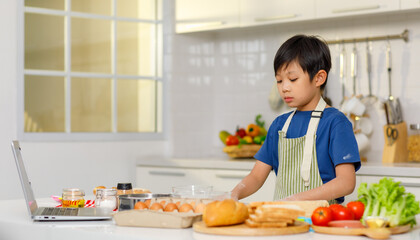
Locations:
(403, 35)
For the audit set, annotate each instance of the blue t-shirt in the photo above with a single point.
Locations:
(335, 141)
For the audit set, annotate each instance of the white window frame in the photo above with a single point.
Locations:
(87, 136)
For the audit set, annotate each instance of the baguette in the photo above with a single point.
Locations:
(223, 213)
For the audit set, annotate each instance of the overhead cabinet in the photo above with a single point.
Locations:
(204, 15)
(195, 16)
(257, 12)
(410, 4)
(331, 8)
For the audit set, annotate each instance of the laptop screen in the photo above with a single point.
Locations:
(26, 184)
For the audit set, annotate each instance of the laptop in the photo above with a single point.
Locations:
(52, 213)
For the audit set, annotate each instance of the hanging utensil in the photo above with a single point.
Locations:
(354, 105)
(342, 78)
(326, 98)
(353, 68)
(392, 104)
(274, 98)
(370, 98)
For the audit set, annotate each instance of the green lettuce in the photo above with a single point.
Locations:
(389, 199)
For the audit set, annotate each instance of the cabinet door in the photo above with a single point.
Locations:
(255, 12)
(331, 8)
(194, 16)
(161, 180)
(226, 180)
(410, 4)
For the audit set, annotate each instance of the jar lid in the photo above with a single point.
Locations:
(124, 186)
(73, 191)
(107, 191)
(415, 126)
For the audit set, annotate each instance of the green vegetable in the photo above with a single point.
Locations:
(260, 123)
(390, 200)
(259, 139)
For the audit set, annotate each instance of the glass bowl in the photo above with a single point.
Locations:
(192, 191)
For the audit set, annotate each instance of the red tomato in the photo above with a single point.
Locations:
(335, 207)
(357, 208)
(321, 216)
(232, 140)
(240, 132)
(343, 214)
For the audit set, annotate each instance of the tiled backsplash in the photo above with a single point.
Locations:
(219, 80)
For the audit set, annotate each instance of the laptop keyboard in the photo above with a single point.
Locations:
(60, 211)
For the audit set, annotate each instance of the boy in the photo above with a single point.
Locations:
(312, 149)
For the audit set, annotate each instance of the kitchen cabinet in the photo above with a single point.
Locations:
(331, 8)
(410, 4)
(161, 179)
(194, 16)
(254, 12)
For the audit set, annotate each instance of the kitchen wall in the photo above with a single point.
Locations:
(223, 79)
(216, 80)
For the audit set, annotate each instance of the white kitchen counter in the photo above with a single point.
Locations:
(15, 225)
(392, 170)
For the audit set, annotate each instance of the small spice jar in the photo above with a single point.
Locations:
(73, 198)
(106, 198)
(124, 188)
(414, 143)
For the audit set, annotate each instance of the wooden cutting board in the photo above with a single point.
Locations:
(244, 230)
(375, 233)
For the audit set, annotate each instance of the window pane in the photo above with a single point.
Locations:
(102, 7)
(91, 108)
(136, 103)
(53, 4)
(159, 50)
(44, 42)
(136, 50)
(44, 104)
(142, 9)
(91, 45)
(159, 107)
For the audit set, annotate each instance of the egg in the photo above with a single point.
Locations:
(140, 205)
(200, 208)
(147, 202)
(192, 203)
(178, 204)
(186, 207)
(163, 202)
(156, 206)
(170, 207)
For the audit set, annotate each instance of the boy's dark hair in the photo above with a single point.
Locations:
(311, 53)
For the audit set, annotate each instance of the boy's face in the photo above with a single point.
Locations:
(296, 89)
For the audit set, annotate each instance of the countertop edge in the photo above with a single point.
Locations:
(375, 169)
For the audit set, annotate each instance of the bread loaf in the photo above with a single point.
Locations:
(307, 206)
(226, 212)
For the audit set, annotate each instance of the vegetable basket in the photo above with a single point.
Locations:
(242, 151)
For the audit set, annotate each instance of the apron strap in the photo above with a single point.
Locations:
(309, 141)
(287, 123)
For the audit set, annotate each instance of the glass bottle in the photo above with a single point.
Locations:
(73, 198)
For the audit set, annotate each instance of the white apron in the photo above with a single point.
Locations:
(298, 166)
